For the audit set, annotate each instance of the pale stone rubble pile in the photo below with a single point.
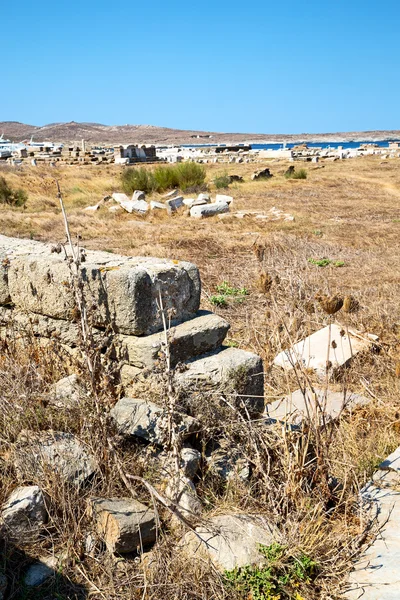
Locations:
(200, 207)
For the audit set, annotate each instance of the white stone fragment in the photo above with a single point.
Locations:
(327, 349)
(174, 203)
(209, 210)
(138, 195)
(299, 406)
(230, 541)
(223, 198)
(157, 205)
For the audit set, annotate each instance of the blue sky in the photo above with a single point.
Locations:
(259, 66)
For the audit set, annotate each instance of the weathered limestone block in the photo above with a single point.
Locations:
(120, 290)
(138, 195)
(229, 370)
(192, 338)
(230, 541)
(209, 210)
(376, 574)
(124, 524)
(183, 495)
(40, 326)
(223, 198)
(157, 205)
(299, 406)
(67, 392)
(174, 203)
(329, 349)
(38, 454)
(146, 420)
(23, 513)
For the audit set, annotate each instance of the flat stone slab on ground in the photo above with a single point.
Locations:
(124, 524)
(38, 454)
(192, 338)
(124, 290)
(312, 352)
(230, 541)
(231, 371)
(146, 420)
(376, 574)
(299, 406)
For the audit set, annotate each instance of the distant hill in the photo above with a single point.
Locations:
(150, 134)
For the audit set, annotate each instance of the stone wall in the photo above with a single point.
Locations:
(123, 299)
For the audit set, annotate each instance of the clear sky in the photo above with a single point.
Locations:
(240, 66)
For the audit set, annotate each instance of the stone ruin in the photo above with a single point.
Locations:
(123, 296)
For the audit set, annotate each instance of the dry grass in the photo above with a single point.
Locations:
(346, 211)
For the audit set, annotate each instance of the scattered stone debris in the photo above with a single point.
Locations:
(328, 349)
(138, 195)
(23, 513)
(305, 404)
(53, 452)
(273, 214)
(125, 524)
(230, 541)
(263, 174)
(146, 420)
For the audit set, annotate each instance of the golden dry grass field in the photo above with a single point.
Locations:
(346, 211)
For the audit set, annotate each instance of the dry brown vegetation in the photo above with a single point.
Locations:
(347, 211)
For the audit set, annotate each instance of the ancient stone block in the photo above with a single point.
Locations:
(124, 524)
(147, 420)
(196, 336)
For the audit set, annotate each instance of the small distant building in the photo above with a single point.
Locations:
(131, 153)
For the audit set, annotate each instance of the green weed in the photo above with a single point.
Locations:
(300, 174)
(219, 301)
(280, 575)
(324, 262)
(222, 181)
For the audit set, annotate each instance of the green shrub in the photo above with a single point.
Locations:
(219, 300)
(138, 179)
(183, 176)
(190, 174)
(222, 181)
(279, 577)
(300, 174)
(11, 197)
(166, 178)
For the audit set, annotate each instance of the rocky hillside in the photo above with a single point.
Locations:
(150, 134)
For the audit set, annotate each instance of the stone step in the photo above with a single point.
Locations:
(230, 371)
(194, 337)
(119, 290)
